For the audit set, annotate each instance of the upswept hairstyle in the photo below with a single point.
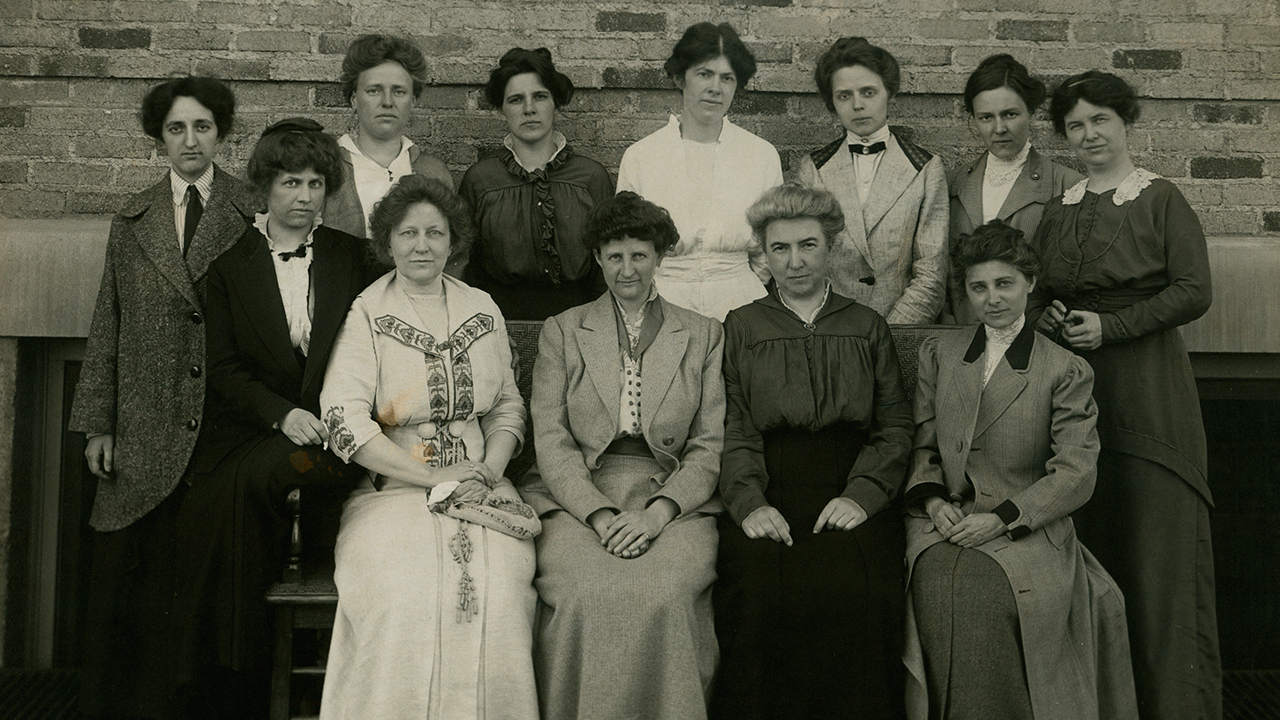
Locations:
(704, 41)
(412, 190)
(209, 92)
(627, 215)
(992, 241)
(850, 51)
(370, 51)
(518, 61)
(294, 145)
(792, 200)
(997, 71)
(1098, 88)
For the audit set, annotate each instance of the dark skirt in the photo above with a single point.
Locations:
(812, 630)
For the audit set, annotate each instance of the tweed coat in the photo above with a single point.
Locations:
(342, 209)
(143, 373)
(1041, 180)
(577, 387)
(892, 256)
(1024, 447)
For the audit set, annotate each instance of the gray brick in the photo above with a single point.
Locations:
(1147, 59)
(32, 203)
(13, 172)
(635, 78)
(622, 21)
(1226, 167)
(1034, 30)
(74, 65)
(1271, 221)
(115, 39)
(13, 117)
(1234, 114)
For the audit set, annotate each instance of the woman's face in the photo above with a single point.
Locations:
(528, 108)
(190, 137)
(383, 100)
(628, 266)
(1002, 121)
(295, 198)
(420, 244)
(1097, 134)
(797, 255)
(708, 89)
(997, 292)
(861, 100)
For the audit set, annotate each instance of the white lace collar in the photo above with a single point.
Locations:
(1129, 189)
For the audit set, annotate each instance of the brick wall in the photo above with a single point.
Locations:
(72, 73)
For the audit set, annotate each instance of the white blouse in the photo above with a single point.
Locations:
(293, 275)
(371, 179)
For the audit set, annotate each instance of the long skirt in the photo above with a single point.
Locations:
(622, 638)
(435, 616)
(969, 636)
(815, 629)
(1150, 529)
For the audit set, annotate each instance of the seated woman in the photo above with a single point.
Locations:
(706, 171)
(892, 256)
(533, 198)
(382, 77)
(1009, 615)
(625, 486)
(809, 602)
(435, 614)
(275, 302)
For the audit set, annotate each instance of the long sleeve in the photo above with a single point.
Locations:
(926, 478)
(1189, 291)
(507, 413)
(229, 374)
(876, 476)
(350, 384)
(921, 301)
(94, 409)
(693, 483)
(560, 461)
(742, 472)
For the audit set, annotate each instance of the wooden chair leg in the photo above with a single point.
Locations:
(282, 663)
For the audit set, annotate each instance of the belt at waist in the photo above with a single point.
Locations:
(629, 445)
(1105, 301)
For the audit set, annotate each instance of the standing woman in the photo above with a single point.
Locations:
(275, 303)
(809, 603)
(1125, 264)
(706, 171)
(626, 483)
(1009, 615)
(141, 394)
(532, 201)
(892, 255)
(382, 77)
(1011, 181)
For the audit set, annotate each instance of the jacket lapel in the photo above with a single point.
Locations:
(661, 362)
(330, 286)
(158, 238)
(1007, 381)
(220, 226)
(968, 386)
(1033, 185)
(838, 174)
(599, 347)
(892, 178)
(969, 191)
(260, 296)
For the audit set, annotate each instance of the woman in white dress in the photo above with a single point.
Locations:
(706, 172)
(435, 615)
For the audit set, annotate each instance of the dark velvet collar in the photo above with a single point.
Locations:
(1019, 353)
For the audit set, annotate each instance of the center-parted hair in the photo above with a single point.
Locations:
(413, 190)
(209, 92)
(850, 51)
(627, 215)
(294, 145)
(705, 41)
(791, 201)
(1097, 88)
(369, 51)
(992, 241)
(518, 61)
(997, 71)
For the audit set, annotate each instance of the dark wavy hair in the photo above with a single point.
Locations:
(1098, 88)
(627, 215)
(704, 41)
(850, 51)
(992, 241)
(294, 145)
(370, 51)
(518, 61)
(412, 190)
(790, 201)
(209, 92)
(997, 71)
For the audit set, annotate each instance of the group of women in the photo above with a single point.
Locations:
(729, 474)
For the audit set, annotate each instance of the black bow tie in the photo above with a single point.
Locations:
(300, 252)
(871, 149)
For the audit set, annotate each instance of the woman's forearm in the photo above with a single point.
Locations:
(383, 457)
(498, 450)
